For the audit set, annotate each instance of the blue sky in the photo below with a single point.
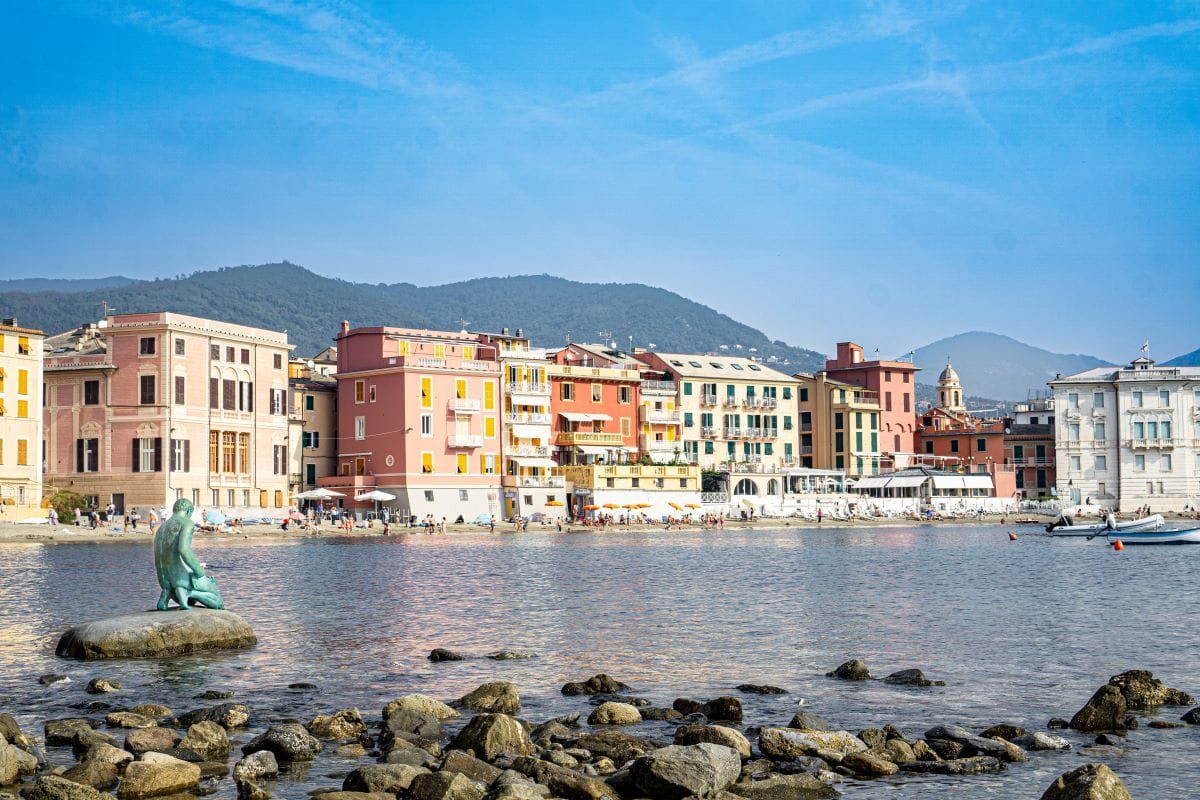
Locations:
(885, 172)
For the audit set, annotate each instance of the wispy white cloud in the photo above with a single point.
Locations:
(1117, 40)
(329, 38)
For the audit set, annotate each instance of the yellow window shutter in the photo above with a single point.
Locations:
(460, 389)
(489, 426)
(426, 393)
(489, 396)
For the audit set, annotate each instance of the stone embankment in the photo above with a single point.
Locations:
(478, 747)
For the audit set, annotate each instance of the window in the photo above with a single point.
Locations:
(180, 347)
(1101, 431)
(228, 394)
(371, 393)
(214, 352)
(1075, 463)
(309, 403)
(1137, 399)
(277, 360)
(1139, 463)
(146, 346)
(708, 447)
(1165, 427)
(22, 452)
(1073, 399)
(907, 398)
(1164, 398)
(460, 389)
(245, 355)
(229, 453)
(1151, 430)
(463, 494)
(245, 396)
(489, 427)
(803, 395)
(244, 453)
(146, 395)
(489, 396)
(887, 401)
(427, 425)
(488, 464)
(23, 409)
(360, 390)
(460, 464)
(787, 393)
(214, 393)
(597, 392)
(214, 459)
(787, 422)
(687, 390)
(230, 354)
(626, 426)
(426, 393)
(147, 455)
(91, 393)
(1164, 462)
(181, 455)
(954, 445)
(929, 447)
(279, 459)
(567, 391)
(180, 390)
(624, 394)
(1073, 431)
(1139, 430)
(277, 406)
(428, 495)
(87, 455)
(838, 420)
(839, 441)
(1101, 463)
(427, 463)
(1097, 399)
(981, 445)
(439, 351)
(360, 428)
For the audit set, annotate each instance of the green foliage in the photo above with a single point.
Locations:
(311, 307)
(66, 502)
(712, 481)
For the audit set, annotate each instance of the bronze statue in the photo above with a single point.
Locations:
(179, 572)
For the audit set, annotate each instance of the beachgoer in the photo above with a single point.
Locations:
(79, 518)
(126, 519)
(134, 517)
(153, 520)
(52, 518)
(820, 515)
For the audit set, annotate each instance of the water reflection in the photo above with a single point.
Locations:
(1020, 631)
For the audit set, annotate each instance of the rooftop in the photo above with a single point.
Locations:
(726, 368)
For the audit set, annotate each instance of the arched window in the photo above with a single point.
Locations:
(772, 486)
(956, 399)
(745, 486)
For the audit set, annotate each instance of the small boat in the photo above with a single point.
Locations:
(1064, 526)
(1183, 536)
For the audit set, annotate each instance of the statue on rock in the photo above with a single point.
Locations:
(179, 572)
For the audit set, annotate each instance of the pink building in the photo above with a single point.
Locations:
(143, 409)
(418, 418)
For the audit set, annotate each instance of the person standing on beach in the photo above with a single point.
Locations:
(52, 518)
(79, 518)
(153, 521)
(820, 515)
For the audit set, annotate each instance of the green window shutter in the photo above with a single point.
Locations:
(687, 389)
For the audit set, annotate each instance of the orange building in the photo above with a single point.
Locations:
(960, 441)
(593, 406)
(894, 381)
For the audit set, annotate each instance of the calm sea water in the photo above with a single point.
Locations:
(1020, 631)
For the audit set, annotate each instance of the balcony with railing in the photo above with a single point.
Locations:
(1144, 444)
(527, 418)
(658, 387)
(1032, 462)
(806, 449)
(527, 451)
(734, 433)
(708, 399)
(708, 433)
(465, 405)
(661, 416)
(573, 438)
(525, 387)
(533, 481)
(731, 400)
(650, 444)
(806, 427)
(752, 401)
(465, 441)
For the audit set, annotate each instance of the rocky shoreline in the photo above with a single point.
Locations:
(479, 747)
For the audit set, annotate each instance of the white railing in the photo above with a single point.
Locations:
(465, 441)
(658, 415)
(708, 432)
(1143, 443)
(714, 497)
(708, 399)
(426, 361)
(660, 445)
(731, 400)
(483, 366)
(531, 450)
(733, 433)
(542, 482)
(527, 418)
(464, 405)
(659, 386)
(525, 387)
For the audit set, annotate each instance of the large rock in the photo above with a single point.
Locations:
(564, 782)
(489, 735)
(726, 708)
(616, 745)
(153, 634)
(108, 754)
(869, 765)
(467, 764)
(853, 670)
(208, 739)
(680, 771)
(227, 715)
(1104, 711)
(421, 704)
(97, 774)
(955, 766)
(146, 740)
(802, 786)
(390, 778)
(597, 684)
(498, 697)
(63, 731)
(805, 721)
(289, 742)
(256, 766)
(9, 728)
(56, 787)
(10, 766)
(1144, 692)
(978, 744)
(445, 786)
(162, 775)
(781, 744)
(612, 713)
(1041, 741)
(345, 724)
(129, 719)
(1089, 782)
(713, 734)
(911, 677)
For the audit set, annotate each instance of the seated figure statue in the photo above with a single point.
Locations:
(179, 572)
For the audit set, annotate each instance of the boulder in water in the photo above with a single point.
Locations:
(853, 670)
(680, 771)
(1104, 711)
(154, 634)
(1089, 782)
(497, 697)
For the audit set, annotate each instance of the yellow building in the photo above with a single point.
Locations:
(20, 416)
(655, 490)
(839, 425)
(737, 414)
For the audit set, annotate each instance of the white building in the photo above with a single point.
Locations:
(1129, 437)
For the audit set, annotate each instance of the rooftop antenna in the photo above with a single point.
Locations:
(605, 335)
(464, 323)
(107, 308)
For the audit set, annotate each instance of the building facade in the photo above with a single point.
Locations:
(418, 419)
(1029, 447)
(144, 409)
(736, 414)
(893, 383)
(594, 409)
(21, 359)
(1129, 437)
(653, 490)
(839, 426)
(312, 429)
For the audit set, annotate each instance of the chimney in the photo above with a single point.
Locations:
(345, 327)
(520, 332)
(9, 321)
(504, 331)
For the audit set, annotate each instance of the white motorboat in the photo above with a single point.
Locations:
(1184, 536)
(1065, 526)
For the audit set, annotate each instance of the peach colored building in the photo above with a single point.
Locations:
(143, 409)
(894, 382)
(594, 403)
(20, 417)
(418, 418)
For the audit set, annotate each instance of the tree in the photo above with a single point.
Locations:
(65, 503)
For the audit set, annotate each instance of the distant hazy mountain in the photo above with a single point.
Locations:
(63, 284)
(1191, 359)
(991, 365)
(311, 307)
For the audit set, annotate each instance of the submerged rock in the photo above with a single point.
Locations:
(102, 686)
(1041, 741)
(911, 677)
(227, 715)
(597, 684)
(853, 670)
(759, 688)
(611, 713)
(805, 721)
(345, 724)
(442, 654)
(289, 742)
(422, 704)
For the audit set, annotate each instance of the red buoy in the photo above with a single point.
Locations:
(1117, 545)
(1012, 537)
